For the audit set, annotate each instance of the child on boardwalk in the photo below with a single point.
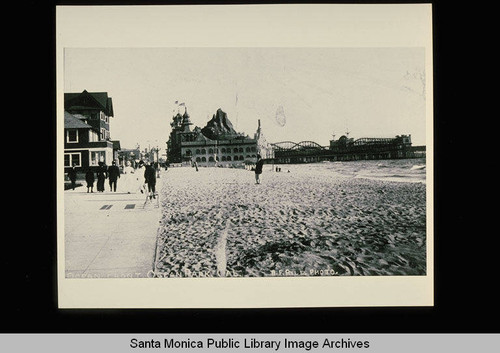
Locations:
(89, 178)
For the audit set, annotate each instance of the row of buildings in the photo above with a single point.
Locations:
(218, 144)
(87, 141)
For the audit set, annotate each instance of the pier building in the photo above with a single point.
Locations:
(347, 149)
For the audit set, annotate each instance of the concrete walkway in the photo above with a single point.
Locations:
(109, 234)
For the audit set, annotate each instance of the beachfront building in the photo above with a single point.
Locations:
(87, 138)
(216, 144)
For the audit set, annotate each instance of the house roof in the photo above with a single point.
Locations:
(80, 116)
(200, 137)
(72, 122)
(89, 100)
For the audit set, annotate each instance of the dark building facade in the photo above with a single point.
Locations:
(87, 139)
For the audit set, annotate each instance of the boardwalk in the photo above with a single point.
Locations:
(108, 234)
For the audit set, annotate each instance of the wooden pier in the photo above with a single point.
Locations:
(345, 149)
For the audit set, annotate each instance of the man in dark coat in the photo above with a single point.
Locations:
(258, 169)
(72, 176)
(150, 179)
(113, 175)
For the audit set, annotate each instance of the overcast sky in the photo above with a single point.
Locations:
(298, 93)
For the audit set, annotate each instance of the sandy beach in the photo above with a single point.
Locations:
(218, 222)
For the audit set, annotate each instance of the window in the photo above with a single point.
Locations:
(247, 149)
(235, 150)
(203, 151)
(71, 136)
(71, 159)
(240, 149)
(97, 156)
(188, 152)
(223, 158)
(210, 151)
(93, 137)
(198, 151)
(242, 158)
(203, 159)
(223, 150)
(210, 159)
(103, 134)
(198, 159)
(229, 158)
(253, 149)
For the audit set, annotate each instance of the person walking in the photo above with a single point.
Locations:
(72, 176)
(113, 175)
(258, 169)
(129, 179)
(150, 179)
(101, 177)
(89, 178)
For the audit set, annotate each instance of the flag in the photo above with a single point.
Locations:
(182, 104)
(176, 102)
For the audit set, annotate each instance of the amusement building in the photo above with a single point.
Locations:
(347, 149)
(216, 144)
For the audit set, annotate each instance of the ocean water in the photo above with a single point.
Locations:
(400, 170)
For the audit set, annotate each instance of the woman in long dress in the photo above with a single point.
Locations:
(130, 179)
(101, 177)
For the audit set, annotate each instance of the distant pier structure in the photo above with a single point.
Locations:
(347, 149)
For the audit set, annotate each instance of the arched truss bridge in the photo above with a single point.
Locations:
(293, 146)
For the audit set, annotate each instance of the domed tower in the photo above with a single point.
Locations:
(186, 122)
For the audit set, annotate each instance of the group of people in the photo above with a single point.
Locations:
(112, 173)
(130, 179)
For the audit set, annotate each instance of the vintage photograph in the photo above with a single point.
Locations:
(262, 156)
(244, 162)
